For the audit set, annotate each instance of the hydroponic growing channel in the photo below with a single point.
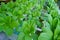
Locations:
(30, 20)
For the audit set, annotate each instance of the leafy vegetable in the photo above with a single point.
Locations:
(32, 19)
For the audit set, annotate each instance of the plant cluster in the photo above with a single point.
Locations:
(33, 19)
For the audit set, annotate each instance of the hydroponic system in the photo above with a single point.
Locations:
(30, 19)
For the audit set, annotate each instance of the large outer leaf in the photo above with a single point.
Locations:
(47, 33)
(57, 31)
(44, 36)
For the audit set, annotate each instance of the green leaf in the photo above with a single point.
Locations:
(28, 37)
(21, 36)
(57, 31)
(35, 36)
(44, 36)
(8, 30)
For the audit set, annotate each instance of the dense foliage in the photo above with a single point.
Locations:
(32, 19)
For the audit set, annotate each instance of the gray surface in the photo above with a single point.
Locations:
(13, 37)
(3, 36)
